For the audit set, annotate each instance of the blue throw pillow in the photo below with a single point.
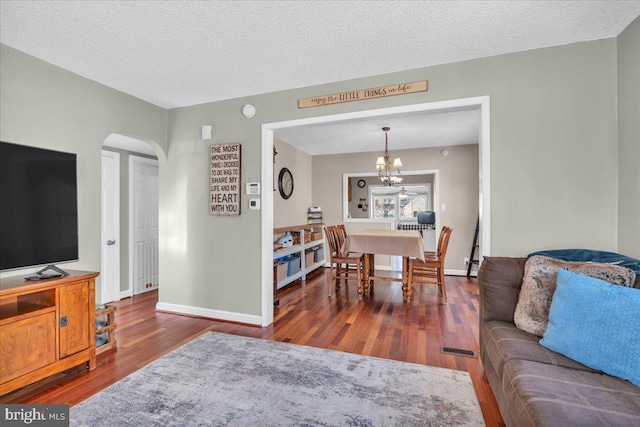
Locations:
(596, 323)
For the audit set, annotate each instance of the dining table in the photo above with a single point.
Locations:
(370, 242)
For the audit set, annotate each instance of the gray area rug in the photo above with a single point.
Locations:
(226, 380)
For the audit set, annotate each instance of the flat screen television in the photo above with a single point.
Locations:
(39, 213)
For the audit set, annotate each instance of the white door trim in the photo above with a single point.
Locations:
(111, 291)
(480, 102)
(132, 160)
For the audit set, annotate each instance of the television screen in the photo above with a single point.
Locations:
(39, 213)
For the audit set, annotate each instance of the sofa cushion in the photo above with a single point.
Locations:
(595, 323)
(502, 341)
(500, 279)
(538, 394)
(539, 283)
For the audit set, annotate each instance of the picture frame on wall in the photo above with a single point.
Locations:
(224, 179)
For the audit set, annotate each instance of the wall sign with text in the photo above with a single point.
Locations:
(225, 179)
(359, 95)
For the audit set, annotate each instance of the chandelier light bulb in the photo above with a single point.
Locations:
(388, 172)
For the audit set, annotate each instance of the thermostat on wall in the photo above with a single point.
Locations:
(253, 188)
(254, 204)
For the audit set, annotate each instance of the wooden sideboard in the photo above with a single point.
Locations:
(46, 327)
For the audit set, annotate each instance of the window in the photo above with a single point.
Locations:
(411, 205)
(401, 203)
(384, 206)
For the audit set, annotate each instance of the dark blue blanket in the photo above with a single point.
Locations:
(593, 256)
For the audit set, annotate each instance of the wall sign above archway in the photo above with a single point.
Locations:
(359, 95)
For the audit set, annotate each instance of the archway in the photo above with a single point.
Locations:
(123, 158)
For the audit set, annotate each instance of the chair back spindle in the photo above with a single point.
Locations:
(342, 233)
(330, 233)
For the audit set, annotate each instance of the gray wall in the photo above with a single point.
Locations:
(45, 106)
(459, 188)
(629, 140)
(554, 155)
(553, 164)
(292, 211)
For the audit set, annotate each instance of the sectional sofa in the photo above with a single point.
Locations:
(533, 385)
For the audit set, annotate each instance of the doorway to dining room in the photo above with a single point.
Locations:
(269, 130)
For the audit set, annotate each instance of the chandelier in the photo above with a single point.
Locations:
(389, 173)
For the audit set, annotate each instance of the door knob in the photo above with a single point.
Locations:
(111, 242)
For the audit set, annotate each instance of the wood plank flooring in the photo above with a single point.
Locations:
(380, 325)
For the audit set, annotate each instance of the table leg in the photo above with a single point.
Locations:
(371, 270)
(406, 290)
(365, 278)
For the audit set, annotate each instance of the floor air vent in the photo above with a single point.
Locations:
(458, 352)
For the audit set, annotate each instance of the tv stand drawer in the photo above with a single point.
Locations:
(27, 345)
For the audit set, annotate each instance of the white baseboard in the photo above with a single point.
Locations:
(210, 313)
(125, 294)
(459, 273)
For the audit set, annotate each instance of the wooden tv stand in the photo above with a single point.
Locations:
(46, 327)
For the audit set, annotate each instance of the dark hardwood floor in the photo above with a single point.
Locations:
(380, 325)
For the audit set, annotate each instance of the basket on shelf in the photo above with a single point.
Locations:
(294, 265)
(309, 256)
(281, 271)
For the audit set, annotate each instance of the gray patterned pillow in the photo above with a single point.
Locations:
(539, 284)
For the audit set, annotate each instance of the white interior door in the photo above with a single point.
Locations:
(110, 268)
(144, 192)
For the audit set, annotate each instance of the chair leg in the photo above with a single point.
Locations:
(410, 275)
(443, 290)
(332, 278)
(359, 277)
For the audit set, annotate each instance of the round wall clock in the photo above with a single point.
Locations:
(285, 183)
(362, 183)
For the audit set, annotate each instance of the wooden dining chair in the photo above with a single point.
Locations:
(442, 234)
(344, 266)
(431, 270)
(342, 233)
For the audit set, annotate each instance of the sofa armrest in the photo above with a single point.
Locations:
(499, 279)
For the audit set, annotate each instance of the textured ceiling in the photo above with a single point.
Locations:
(179, 53)
(415, 130)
